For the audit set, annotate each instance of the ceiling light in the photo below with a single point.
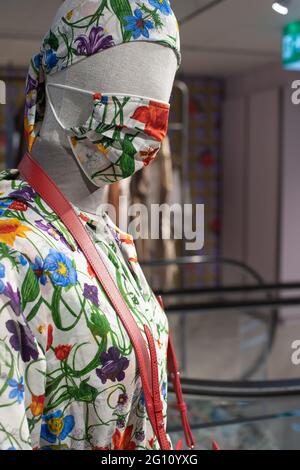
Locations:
(281, 7)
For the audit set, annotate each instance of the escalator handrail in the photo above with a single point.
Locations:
(188, 260)
(238, 389)
(233, 289)
(204, 260)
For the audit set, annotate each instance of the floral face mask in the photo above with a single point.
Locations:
(122, 135)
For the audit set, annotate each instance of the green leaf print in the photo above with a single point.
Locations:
(57, 299)
(6, 360)
(154, 15)
(55, 308)
(99, 324)
(52, 41)
(30, 288)
(52, 386)
(122, 8)
(127, 159)
(86, 392)
(95, 362)
(35, 310)
(113, 259)
(10, 254)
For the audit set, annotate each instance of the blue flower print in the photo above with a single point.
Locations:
(23, 260)
(17, 390)
(2, 271)
(57, 426)
(38, 269)
(4, 205)
(162, 5)
(142, 400)
(2, 275)
(164, 390)
(37, 60)
(51, 59)
(138, 25)
(61, 269)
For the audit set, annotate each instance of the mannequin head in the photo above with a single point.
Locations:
(138, 67)
(135, 68)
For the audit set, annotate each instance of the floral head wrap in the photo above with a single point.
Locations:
(91, 27)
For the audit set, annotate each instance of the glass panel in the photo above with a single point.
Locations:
(237, 345)
(268, 424)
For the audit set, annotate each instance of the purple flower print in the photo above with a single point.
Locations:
(122, 400)
(140, 436)
(52, 231)
(26, 193)
(31, 92)
(91, 293)
(14, 297)
(113, 366)
(95, 42)
(22, 340)
(31, 84)
(121, 422)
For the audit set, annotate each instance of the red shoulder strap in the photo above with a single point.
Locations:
(175, 377)
(45, 186)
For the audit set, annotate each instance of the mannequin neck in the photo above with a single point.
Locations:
(58, 162)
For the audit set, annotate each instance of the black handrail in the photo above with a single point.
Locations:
(238, 389)
(225, 305)
(234, 289)
(188, 260)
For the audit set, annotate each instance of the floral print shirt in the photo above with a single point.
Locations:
(68, 373)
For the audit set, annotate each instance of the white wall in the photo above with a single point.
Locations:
(290, 223)
(261, 173)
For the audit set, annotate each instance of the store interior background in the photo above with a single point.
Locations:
(243, 164)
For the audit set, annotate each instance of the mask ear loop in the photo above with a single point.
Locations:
(92, 93)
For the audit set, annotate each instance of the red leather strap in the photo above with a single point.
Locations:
(43, 185)
(175, 377)
(181, 405)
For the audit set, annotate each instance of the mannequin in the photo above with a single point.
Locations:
(76, 382)
(134, 68)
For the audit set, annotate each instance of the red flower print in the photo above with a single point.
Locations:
(126, 238)
(151, 443)
(90, 270)
(149, 156)
(37, 405)
(49, 337)
(155, 117)
(83, 217)
(18, 206)
(122, 441)
(62, 351)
